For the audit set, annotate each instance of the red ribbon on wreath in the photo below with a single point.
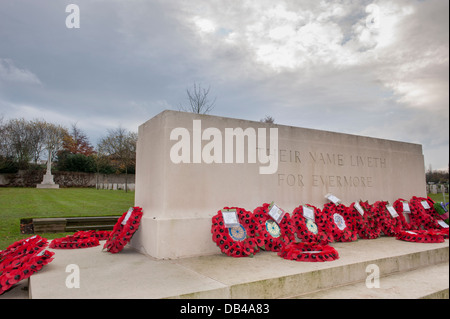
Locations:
(310, 252)
(236, 241)
(123, 230)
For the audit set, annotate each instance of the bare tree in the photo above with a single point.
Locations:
(120, 146)
(37, 138)
(268, 119)
(17, 140)
(24, 141)
(199, 100)
(53, 139)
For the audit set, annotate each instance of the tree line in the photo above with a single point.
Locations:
(437, 176)
(25, 144)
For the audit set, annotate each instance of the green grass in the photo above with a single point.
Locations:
(439, 197)
(18, 203)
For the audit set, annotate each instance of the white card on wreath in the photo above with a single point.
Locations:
(127, 216)
(359, 209)
(230, 218)
(406, 208)
(308, 212)
(392, 211)
(276, 213)
(425, 204)
(442, 224)
(333, 199)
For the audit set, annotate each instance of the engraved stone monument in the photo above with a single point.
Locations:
(189, 166)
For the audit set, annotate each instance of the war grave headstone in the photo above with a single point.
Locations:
(189, 166)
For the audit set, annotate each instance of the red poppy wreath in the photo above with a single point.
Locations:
(303, 220)
(422, 212)
(123, 230)
(22, 247)
(391, 222)
(335, 217)
(270, 235)
(22, 259)
(81, 239)
(364, 220)
(421, 236)
(237, 240)
(310, 252)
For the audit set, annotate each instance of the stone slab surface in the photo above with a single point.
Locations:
(131, 274)
(422, 283)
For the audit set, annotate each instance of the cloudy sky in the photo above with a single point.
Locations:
(375, 68)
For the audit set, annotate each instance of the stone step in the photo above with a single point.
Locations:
(130, 274)
(431, 282)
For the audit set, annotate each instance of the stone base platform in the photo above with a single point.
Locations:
(407, 270)
(45, 186)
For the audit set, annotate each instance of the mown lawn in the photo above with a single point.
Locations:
(439, 197)
(18, 203)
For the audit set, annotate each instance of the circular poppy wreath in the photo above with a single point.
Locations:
(23, 268)
(21, 259)
(236, 241)
(422, 216)
(444, 232)
(310, 252)
(306, 229)
(366, 226)
(81, 239)
(27, 246)
(123, 230)
(390, 225)
(421, 236)
(271, 236)
(334, 217)
(100, 234)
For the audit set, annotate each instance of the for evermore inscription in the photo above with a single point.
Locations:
(315, 161)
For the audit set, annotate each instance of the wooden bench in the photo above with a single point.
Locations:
(69, 224)
(91, 223)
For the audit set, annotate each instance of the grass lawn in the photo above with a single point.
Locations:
(18, 203)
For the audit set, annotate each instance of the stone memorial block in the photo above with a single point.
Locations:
(189, 166)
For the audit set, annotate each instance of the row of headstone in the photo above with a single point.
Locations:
(434, 189)
(116, 186)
